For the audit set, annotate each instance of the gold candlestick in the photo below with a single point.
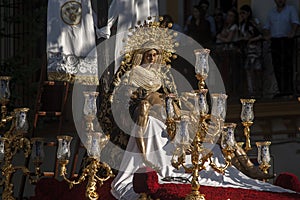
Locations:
(171, 115)
(90, 109)
(247, 135)
(263, 156)
(201, 66)
(247, 116)
(4, 99)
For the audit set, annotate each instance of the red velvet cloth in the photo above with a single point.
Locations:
(288, 181)
(146, 183)
(52, 189)
(146, 180)
(49, 189)
(179, 191)
(171, 191)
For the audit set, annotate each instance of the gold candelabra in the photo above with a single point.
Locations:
(95, 143)
(13, 140)
(210, 126)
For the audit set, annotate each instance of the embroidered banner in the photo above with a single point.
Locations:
(71, 51)
(128, 13)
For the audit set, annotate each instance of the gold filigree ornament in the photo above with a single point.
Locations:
(151, 34)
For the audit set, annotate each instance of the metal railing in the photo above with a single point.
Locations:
(229, 57)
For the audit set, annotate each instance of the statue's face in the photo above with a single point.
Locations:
(150, 56)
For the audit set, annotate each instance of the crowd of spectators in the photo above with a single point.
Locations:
(254, 59)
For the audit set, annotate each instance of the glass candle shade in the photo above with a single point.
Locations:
(4, 88)
(177, 138)
(263, 152)
(194, 105)
(169, 106)
(38, 150)
(64, 151)
(202, 102)
(228, 138)
(2, 149)
(201, 65)
(247, 114)
(90, 105)
(93, 145)
(183, 129)
(218, 109)
(21, 121)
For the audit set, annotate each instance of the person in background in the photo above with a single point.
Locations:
(227, 57)
(252, 49)
(204, 5)
(281, 26)
(229, 32)
(219, 20)
(199, 28)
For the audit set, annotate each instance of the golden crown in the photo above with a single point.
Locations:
(152, 34)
